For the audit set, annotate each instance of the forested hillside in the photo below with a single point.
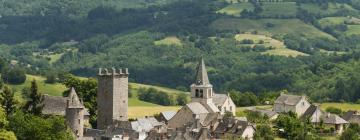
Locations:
(302, 46)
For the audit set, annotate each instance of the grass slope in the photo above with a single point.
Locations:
(279, 47)
(51, 89)
(172, 40)
(280, 27)
(332, 8)
(236, 9)
(279, 9)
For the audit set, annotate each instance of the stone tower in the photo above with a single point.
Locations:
(112, 97)
(74, 114)
(202, 90)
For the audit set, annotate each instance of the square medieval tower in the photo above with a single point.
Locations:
(112, 97)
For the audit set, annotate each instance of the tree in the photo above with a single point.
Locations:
(263, 132)
(35, 104)
(31, 127)
(334, 110)
(182, 99)
(13, 76)
(4, 134)
(7, 100)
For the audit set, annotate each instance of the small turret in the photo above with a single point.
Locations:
(75, 114)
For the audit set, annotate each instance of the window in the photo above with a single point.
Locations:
(303, 103)
(231, 109)
(79, 121)
(196, 93)
(201, 93)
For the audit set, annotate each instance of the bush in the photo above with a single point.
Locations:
(247, 41)
(14, 76)
(334, 110)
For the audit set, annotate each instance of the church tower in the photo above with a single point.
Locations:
(112, 97)
(74, 114)
(202, 90)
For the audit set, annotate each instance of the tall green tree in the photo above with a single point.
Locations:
(8, 100)
(35, 104)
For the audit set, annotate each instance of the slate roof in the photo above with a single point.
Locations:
(211, 107)
(268, 113)
(232, 126)
(352, 116)
(314, 113)
(74, 101)
(333, 119)
(197, 108)
(54, 105)
(201, 74)
(219, 99)
(288, 99)
(145, 124)
(168, 114)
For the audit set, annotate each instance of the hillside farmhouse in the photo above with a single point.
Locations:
(293, 103)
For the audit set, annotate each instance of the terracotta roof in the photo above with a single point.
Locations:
(288, 99)
(54, 105)
(201, 74)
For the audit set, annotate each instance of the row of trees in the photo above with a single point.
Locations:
(162, 98)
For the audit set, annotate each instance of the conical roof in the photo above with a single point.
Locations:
(73, 99)
(201, 74)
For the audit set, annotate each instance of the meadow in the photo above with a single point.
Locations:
(171, 40)
(278, 47)
(331, 9)
(270, 27)
(271, 9)
(236, 9)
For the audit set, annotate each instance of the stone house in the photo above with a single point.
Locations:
(352, 116)
(165, 116)
(233, 128)
(224, 103)
(293, 103)
(317, 116)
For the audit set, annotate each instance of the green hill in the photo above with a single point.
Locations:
(57, 89)
(271, 27)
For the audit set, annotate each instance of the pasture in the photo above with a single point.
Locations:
(330, 21)
(169, 41)
(353, 30)
(236, 9)
(271, 9)
(332, 8)
(342, 106)
(270, 27)
(279, 47)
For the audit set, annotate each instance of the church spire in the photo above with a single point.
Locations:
(201, 74)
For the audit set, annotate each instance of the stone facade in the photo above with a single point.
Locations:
(293, 103)
(224, 103)
(74, 114)
(112, 97)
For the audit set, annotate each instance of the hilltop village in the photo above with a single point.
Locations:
(209, 115)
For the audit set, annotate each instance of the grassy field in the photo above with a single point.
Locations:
(329, 21)
(236, 9)
(353, 30)
(51, 89)
(332, 8)
(55, 57)
(280, 27)
(169, 41)
(342, 106)
(279, 9)
(279, 47)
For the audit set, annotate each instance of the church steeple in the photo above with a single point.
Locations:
(201, 74)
